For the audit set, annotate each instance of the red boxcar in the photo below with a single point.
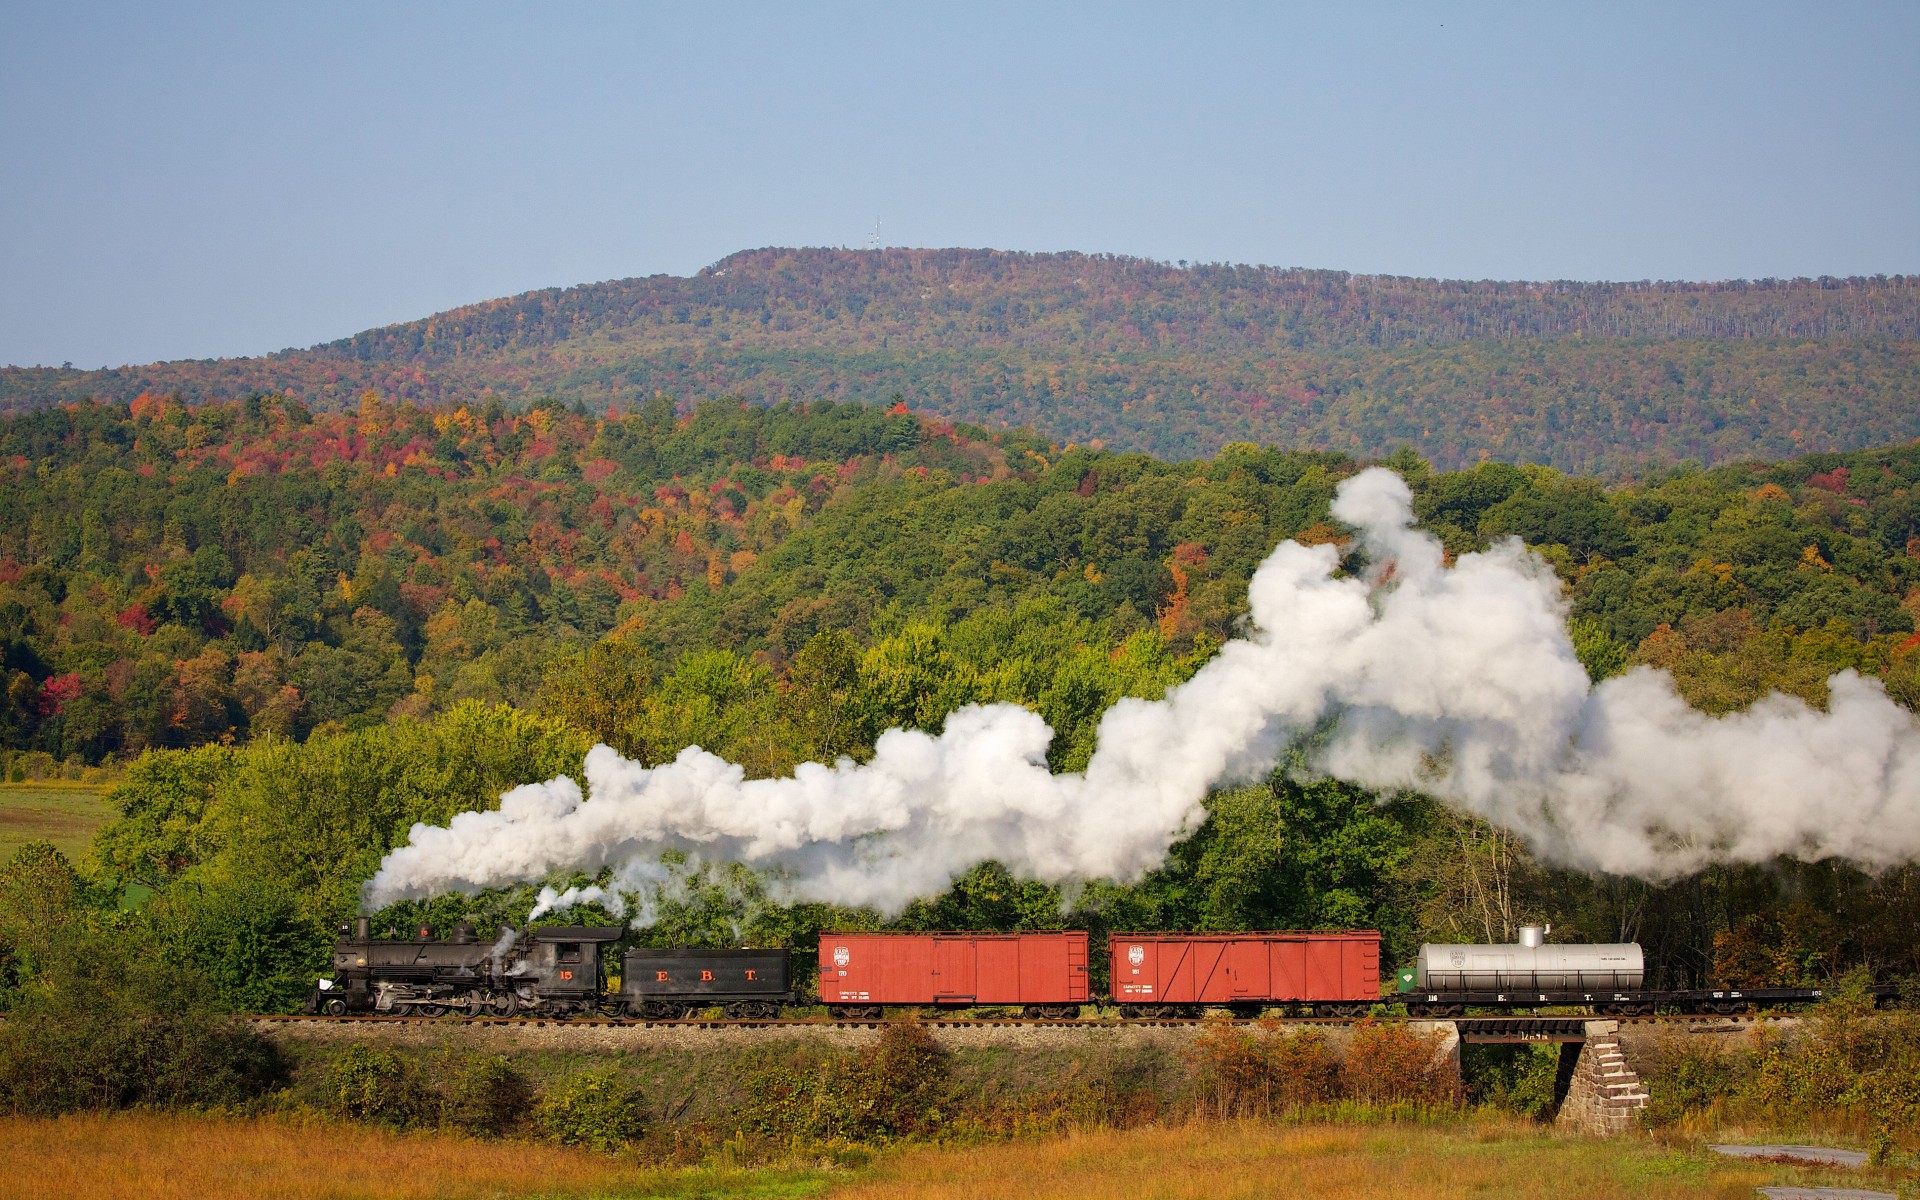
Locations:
(1043, 973)
(1164, 974)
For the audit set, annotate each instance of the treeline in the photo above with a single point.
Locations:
(173, 576)
(305, 632)
(1172, 361)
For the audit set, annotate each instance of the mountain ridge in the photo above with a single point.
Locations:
(1169, 359)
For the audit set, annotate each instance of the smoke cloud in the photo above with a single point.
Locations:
(548, 900)
(1459, 681)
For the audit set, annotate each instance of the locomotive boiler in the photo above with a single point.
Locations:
(552, 971)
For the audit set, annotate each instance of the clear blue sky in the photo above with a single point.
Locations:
(192, 181)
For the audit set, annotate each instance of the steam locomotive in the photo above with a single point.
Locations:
(563, 971)
(552, 971)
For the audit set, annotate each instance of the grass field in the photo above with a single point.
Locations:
(152, 1156)
(65, 814)
(147, 1156)
(1249, 1160)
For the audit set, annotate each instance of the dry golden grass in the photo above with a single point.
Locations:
(1231, 1161)
(164, 1157)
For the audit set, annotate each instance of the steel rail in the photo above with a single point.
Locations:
(1731, 1022)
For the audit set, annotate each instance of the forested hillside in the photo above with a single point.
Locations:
(1172, 361)
(173, 575)
(327, 626)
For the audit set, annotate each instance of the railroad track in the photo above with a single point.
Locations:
(1741, 1020)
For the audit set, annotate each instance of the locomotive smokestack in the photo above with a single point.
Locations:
(363, 930)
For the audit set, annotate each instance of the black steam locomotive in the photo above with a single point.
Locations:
(555, 971)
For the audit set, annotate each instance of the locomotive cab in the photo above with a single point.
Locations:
(561, 968)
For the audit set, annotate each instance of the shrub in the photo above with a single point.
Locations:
(899, 1087)
(1853, 1066)
(1518, 1079)
(1393, 1064)
(479, 1094)
(378, 1086)
(594, 1109)
(1688, 1074)
(1241, 1072)
(475, 1093)
(107, 1026)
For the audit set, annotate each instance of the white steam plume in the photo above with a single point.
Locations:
(550, 900)
(1458, 681)
(503, 946)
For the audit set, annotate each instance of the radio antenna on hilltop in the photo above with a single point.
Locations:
(873, 239)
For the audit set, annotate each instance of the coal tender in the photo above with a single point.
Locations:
(668, 984)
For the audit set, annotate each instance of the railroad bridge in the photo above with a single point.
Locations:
(1594, 1090)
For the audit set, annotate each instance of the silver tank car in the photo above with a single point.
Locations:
(1531, 965)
